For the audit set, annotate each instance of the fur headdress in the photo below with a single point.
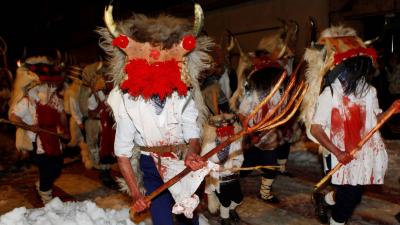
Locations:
(157, 38)
(335, 45)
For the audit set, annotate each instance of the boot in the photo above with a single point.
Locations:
(233, 215)
(321, 207)
(265, 191)
(333, 222)
(226, 221)
(45, 196)
(224, 214)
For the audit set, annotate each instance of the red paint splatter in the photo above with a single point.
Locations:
(353, 123)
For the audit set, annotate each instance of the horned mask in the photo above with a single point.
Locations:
(156, 50)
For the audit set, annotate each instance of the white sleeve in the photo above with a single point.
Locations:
(190, 128)
(20, 109)
(323, 108)
(375, 104)
(125, 133)
(75, 111)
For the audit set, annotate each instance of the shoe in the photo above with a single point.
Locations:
(321, 208)
(271, 199)
(234, 216)
(226, 222)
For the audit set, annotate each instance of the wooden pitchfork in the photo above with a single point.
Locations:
(384, 118)
(278, 115)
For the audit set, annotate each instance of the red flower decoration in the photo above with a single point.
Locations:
(189, 42)
(121, 41)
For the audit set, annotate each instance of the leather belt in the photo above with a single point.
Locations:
(166, 148)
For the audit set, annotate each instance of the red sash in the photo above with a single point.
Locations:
(49, 119)
(107, 136)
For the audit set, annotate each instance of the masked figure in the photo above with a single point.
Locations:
(339, 109)
(42, 106)
(224, 183)
(158, 107)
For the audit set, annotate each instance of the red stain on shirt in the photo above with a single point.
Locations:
(353, 123)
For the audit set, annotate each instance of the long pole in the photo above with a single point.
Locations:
(31, 128)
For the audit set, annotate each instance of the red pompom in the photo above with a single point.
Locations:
(155, 54)
(189, 42)
(121, 41)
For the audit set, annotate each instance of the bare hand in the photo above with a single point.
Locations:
(140, 204)
(344, 157)
(194, 161)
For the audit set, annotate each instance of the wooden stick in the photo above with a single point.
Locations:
(385, 117)
(31, 128)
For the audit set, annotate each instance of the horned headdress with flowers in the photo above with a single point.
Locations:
(154, 57)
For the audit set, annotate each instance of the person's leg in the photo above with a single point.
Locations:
(161, 206)
(49, 170)
(236, 197)
(269, 158)
(283, 155)
(347, 198)
(225, 202)
(251, 158)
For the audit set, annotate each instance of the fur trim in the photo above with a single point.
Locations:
(24, 81)
(338, 31)
(123, 186)
(85, 154)
(316, 69)
(213, 203)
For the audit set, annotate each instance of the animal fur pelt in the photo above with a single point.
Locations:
(24, 81)
(123, 186)
(317, 68)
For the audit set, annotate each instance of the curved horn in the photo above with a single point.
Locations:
(198, 19)
(231, 41)
(369, 42)
(99, 66)
(109, 20)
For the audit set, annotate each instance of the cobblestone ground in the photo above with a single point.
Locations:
(378, 206)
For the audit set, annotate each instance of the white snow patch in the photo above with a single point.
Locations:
(57, 212)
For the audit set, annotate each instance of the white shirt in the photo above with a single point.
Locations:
(370, 163)
(139, 125)
(26, 108)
